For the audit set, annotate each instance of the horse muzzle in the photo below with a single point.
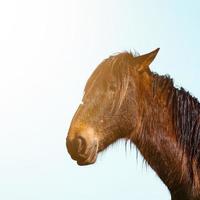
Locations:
(82, 150)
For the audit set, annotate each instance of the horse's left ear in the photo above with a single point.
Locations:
(145, 60)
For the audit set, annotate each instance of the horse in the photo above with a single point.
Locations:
(123, 98)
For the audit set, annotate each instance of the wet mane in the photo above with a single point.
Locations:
(186, 115)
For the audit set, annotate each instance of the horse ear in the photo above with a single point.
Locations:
(145, 60)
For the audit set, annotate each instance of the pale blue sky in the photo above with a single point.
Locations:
(48, 50)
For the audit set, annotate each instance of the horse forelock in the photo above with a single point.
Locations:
(118, 65)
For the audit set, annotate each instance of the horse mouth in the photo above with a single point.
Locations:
(89, 157)
(86, 162)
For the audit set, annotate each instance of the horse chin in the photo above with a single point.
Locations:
(87, 161)
(84, 163)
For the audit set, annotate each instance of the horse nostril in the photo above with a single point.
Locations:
(76, 146)
(79, 144)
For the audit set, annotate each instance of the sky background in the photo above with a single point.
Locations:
(48, 49)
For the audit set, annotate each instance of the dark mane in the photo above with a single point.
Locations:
(186, 116)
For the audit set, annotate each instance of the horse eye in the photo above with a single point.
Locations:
(112, 87)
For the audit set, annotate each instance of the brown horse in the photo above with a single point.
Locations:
(124, 99)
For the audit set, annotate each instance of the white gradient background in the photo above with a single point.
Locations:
(48, 49)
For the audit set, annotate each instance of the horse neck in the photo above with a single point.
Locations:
(158, 137)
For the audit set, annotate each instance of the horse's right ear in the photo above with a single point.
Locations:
(143, 61)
